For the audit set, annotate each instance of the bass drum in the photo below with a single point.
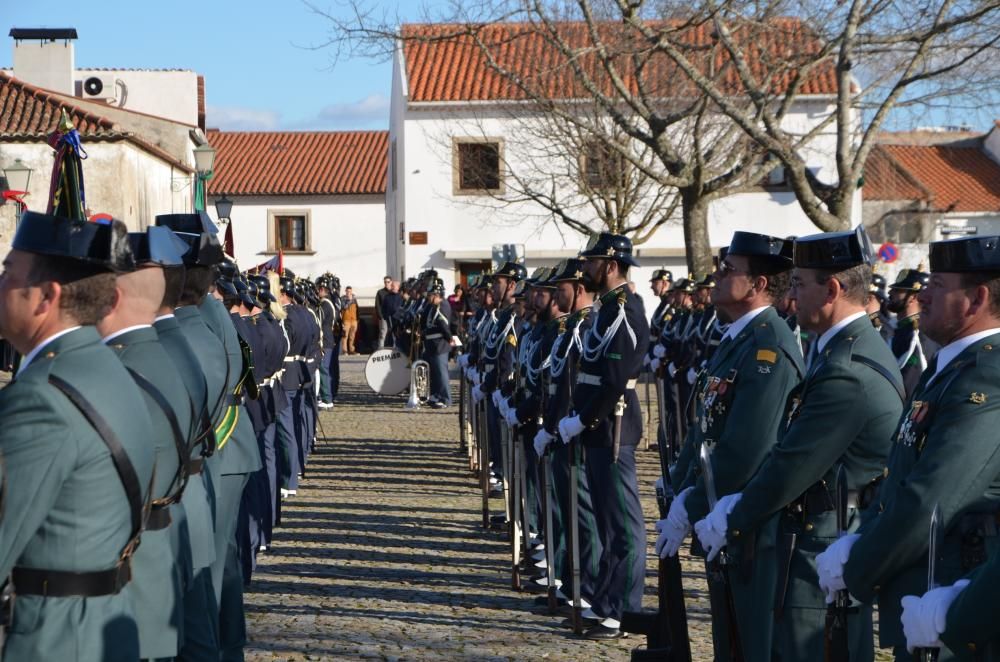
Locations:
(387, 372)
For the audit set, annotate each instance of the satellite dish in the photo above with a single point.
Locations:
(93, 86)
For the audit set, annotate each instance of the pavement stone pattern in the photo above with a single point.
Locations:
(382, 555)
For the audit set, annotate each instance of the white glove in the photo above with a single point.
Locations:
(463, 361)
(830, 565)
(692, 376)
(510, 415)
(570, 427)
(672, 369)
(477, 393)
(924, 618)
(712, 530)
(542, 441)
(654, 365)
(645, 360)
(674, 528)
(659, 351)
(497, 396)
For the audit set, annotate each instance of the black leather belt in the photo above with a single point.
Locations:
(818, 500)
(61, 584)
(195, 467)
(159, 518)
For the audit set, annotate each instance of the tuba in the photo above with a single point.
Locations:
(420, 370)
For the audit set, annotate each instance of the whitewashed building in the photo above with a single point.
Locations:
(447, 105)
(318, 196)
(139, 143)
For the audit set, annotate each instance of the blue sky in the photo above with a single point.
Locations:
(259, 73)
(259, 70)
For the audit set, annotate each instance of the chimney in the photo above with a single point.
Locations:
(44, 57)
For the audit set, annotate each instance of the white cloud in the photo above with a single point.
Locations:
(372, 112)
(235, 118)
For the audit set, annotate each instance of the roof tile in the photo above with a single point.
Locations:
(947, 177)
(444, 62)
(299, 163)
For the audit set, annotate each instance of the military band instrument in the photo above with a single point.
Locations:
(420, 370)
(721, 564)
(836, 644)
(386, 372)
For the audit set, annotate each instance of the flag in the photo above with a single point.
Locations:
(67, 196)
(275, 264)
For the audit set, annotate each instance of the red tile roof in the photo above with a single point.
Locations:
(29, 113)
(299, 163)
(444, 62)
(947, 177)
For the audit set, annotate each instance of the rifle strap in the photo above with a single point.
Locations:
(180, 442)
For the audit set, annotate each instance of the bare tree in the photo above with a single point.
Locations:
(664, 128)
(885, 58)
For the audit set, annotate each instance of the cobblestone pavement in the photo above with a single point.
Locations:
(382, 556)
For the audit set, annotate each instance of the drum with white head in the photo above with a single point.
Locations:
(387, 372)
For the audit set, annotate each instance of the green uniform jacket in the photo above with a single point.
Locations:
(65, 507)
(241, 454)
(946, 452)
(973, 626)
(740, 406)
(198, 500)
(843, 412)
(157, 573)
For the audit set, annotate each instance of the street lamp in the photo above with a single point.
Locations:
(223, 208)
(18, 176)
(204, 158)
(204, 161)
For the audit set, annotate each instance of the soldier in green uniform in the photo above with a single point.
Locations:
(946, 450)
(842, 413)
(962, 616)
(739, 403)
(158, 568)
(73, 507)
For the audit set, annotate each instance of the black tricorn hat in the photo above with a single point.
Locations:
(911, 280)
(567, 271)
(833, 250)
(513, 271)
(966, 254)
(662, 274)
(157, 245)
(199, 232)
(610, 246)
(774, 250)
(102, 244)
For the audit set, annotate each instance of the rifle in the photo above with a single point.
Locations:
(720, 567)
(543, 484)
(665, 629)
(836, 644)
(936, 531)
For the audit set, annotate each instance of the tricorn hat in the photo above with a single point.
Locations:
(775, 251)
(157, 245)
(199, 232)
(966, 254)
(101, 244)
(833, 250)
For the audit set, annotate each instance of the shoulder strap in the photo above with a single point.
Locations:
(126, 472)
(882, 370)
(180, 442)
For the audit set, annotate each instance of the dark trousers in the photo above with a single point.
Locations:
(493, 436)
(325, 380)
(590, 543)
(305, 423)
(201, 625)
(440, 388)
(268, 455)
(287, 448)
(614, 488)
(232, 624)
(334, 368)
(533, 506)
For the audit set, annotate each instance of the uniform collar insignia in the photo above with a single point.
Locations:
(977, 398)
